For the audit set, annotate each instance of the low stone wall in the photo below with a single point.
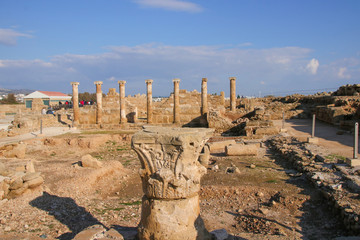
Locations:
(338, 183)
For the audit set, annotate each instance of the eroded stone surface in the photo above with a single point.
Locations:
(169, 158)
(170, 174)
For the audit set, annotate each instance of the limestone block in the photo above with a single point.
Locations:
(3, 170)
(91, 162)
(267, 131)
(90, 233)
(172, 220)
(16, 183)
(30, 176)
(220, 146)
(18, 192)
(113, 234)
(2, 195)
(313, 140)
(33, 183)
(29, 167)
(241, 150)
(18, 151)
(205, 156)
(353, 162)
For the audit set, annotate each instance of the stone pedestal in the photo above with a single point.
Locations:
(149, 100)
(170, 173)
(313, 140)
(176, 82)
(122, 101)
(352, 162)
(75, 100)
(232, 94)
(98, 101)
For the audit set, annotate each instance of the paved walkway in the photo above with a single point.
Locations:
(47, 132)
(338, 144)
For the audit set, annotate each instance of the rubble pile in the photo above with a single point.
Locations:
(21, 181)
(337, 182)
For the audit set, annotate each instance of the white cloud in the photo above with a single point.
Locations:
(343, 73)
(9, 36)
(313, 66)
(173, 5)
(256, 69)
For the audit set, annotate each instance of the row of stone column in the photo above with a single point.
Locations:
(176, 81)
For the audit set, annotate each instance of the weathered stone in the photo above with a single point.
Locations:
(205, 156)
(35, 182)
(171, 176)
(91, 162)
(2, 169)
(113, 234)
(16, 183)
(267, 131)
(29, 167)
(19, 191)
(313, 140)
(220, 146)
(30, 176)
(90, 233)
(241, 150)
(172, 220)
(16, 151)
(2, 195)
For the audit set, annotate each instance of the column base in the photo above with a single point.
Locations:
(313, 140)
(172, 220)
(353, 162)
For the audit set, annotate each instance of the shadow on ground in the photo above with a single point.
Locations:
(75, 217)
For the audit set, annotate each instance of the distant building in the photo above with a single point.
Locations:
(20, 97)
(48, 98)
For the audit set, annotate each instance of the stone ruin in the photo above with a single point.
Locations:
(19, 181)
(170, 173)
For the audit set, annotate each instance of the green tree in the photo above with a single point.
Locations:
(10, 99)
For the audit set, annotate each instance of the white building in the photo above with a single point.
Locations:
(49, 98)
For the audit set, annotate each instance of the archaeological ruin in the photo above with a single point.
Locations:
(192, 165)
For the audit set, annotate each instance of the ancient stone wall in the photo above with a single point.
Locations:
(11, 109)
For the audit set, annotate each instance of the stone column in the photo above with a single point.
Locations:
(171, 173)
(98, 101)
(204, 102)
(232, 94)
(122, 101)
(149, 99)
(222, 94)
(176, 82)
(75, 99)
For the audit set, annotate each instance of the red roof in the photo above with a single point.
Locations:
(49, 93)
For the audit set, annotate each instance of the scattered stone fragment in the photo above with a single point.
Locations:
(90, 161)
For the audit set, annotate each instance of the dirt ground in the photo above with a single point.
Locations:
(264, 199)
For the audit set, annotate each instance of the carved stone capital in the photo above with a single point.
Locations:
(169, 160)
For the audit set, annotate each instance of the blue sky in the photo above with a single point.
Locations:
(270, 46)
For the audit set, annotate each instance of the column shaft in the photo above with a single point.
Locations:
(98, 102)
(232, 94)
(122, 101)
(176, 82)
(75, 99)
(149, 100)
(204, 102)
